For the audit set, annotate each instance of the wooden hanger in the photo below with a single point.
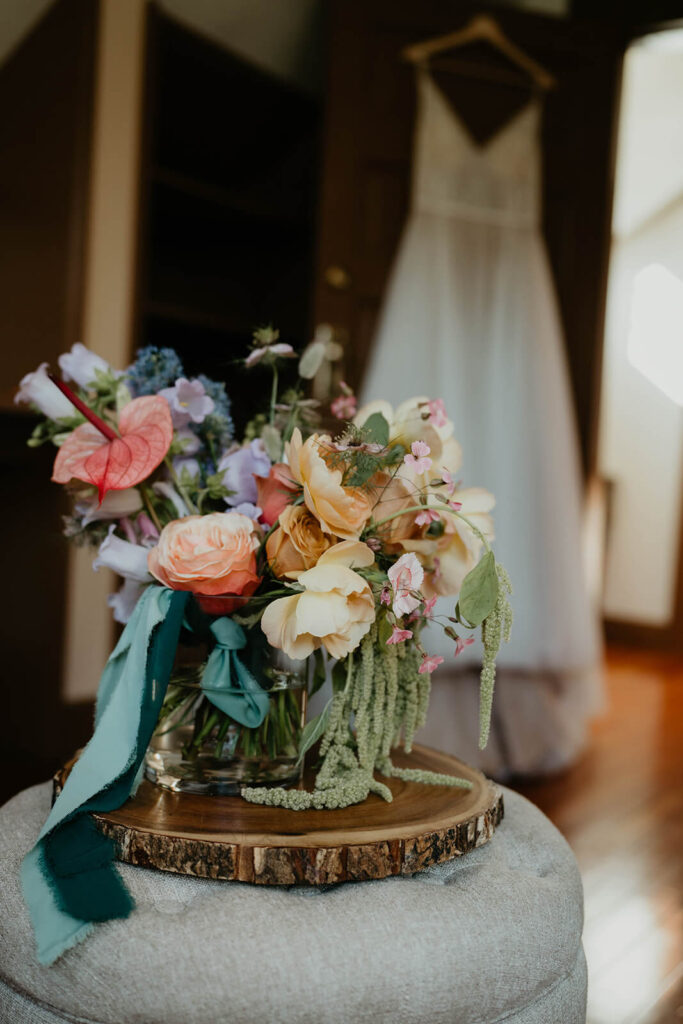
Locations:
(480, 28)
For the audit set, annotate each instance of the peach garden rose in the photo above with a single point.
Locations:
(208, 555)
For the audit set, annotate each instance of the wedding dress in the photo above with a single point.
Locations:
(470, 317)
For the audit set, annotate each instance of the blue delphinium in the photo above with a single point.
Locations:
(217, 424)
(154, 369)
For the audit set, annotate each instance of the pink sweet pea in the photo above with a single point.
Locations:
(461, 644)
(345, 407)
(399, 635)
(437, 413)
(406, 576)
(419, 460)
(426, 517)
(447, 478)
(385, 596)
(280, 349)
(429, 607)
(429, 663)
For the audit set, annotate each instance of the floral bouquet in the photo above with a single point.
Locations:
(308, 558)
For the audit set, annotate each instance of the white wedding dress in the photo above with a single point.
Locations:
(470, 316)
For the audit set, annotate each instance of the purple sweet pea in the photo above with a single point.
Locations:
(251, 511)
(188, 463)
(124, 600)
(126, 559)
(81, 365)
(238, 469)
(190, 441)
(37, 389)
(188, 401)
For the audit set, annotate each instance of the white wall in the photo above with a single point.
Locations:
(641, 447)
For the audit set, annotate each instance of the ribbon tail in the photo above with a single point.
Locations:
(69, 879)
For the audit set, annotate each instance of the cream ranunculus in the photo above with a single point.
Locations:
(341, 511)
(416, 420)
(297, 543)
(335, 610)
(448, 559)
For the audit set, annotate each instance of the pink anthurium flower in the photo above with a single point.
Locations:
(429, 663)
(95, 453)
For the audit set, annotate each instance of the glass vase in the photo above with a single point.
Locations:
(197, 748)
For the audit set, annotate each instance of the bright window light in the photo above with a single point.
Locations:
(655, 343)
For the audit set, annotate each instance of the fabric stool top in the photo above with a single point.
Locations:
(493, 935)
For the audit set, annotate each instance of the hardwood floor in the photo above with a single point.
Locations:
(621, 809)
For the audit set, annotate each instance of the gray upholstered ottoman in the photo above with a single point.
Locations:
(493, 936)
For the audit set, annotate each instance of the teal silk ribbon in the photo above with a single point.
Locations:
(68, 878)
(228, 683)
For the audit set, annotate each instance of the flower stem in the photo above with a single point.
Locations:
(103, 427)
(179, 487)
(150, 507)
(444, 508)
(273, 394)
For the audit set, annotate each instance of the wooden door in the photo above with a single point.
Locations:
(227, 203)
(367, 163)
(46, 89)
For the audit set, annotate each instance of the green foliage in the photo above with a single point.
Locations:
(479, 591)
(311, 360)
(314, 730)
(272, 442)
(384, 628)
(376, 429)
(55, 431)
(496, 629)
(319, 675)
(385, 695)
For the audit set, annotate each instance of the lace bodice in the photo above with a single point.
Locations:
(497, 183)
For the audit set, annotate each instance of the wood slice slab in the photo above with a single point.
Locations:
(230, 839)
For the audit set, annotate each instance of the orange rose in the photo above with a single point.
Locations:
(341, 511)
(297, 543)
(213, 554)
(274, 492)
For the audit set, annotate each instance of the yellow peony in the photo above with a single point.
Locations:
(341, 511)
(335, 610)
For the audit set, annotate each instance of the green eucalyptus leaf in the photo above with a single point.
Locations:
(311, 360)
(123, 396)
(479, 591)
(376, 429)
(249, 620)
(385, 629)
(272, 442)
(319, 673)
(314, 730)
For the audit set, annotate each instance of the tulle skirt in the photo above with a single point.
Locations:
(470, 316)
